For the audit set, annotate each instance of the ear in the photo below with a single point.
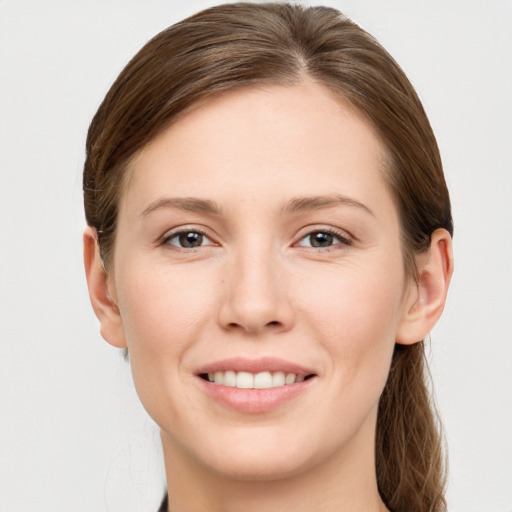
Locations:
(425, 301)
(102, 292)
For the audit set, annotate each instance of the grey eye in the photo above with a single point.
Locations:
(321, 239)
(191, 239)
(187, 239)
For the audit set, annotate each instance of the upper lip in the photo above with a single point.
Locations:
(263, 364)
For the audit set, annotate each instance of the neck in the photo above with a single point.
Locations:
(341, 483)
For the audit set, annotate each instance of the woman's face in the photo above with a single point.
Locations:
(258, 244)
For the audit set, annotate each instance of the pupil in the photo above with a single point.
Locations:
(191, 239)
(321, 239)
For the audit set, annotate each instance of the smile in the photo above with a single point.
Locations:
(255, 386)
(247, 380)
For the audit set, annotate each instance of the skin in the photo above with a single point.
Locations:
(256, 287)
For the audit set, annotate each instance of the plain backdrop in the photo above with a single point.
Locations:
(72, 433)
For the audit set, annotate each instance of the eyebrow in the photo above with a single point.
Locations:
(295, 205)
(300, 204)
(190, 204)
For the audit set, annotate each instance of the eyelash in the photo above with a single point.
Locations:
(184, 231)
(344, 239)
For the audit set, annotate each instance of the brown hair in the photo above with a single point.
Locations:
(243, 44)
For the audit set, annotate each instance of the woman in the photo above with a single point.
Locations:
(270, 238)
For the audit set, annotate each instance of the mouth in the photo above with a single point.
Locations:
(255, 386)
(260, 380)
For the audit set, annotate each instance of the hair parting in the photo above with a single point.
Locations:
(257, 44)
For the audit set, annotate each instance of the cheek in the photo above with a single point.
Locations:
(354, 312)
(163, 307)
(164, 310)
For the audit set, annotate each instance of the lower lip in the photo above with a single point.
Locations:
(255, 401)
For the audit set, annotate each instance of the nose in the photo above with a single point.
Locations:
(255, 295)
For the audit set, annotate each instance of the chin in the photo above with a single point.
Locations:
(254, 454)
(259, 468)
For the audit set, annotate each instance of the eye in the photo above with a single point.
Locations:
(187, 239)
(323, 239)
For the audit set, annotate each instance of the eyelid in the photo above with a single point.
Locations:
(192, 228)
(346, 239)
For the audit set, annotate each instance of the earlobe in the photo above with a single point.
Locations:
(428, 294)
(102, 301)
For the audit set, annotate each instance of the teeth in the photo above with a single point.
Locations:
(290, 378)
(229, 379)
(246, 380)
(278, 379)
(263, 380)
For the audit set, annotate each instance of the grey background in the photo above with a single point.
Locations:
(72, 433)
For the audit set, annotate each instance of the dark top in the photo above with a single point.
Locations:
(165, 504)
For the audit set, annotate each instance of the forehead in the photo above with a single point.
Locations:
(271, 141)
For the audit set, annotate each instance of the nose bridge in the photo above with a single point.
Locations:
(255, 295)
